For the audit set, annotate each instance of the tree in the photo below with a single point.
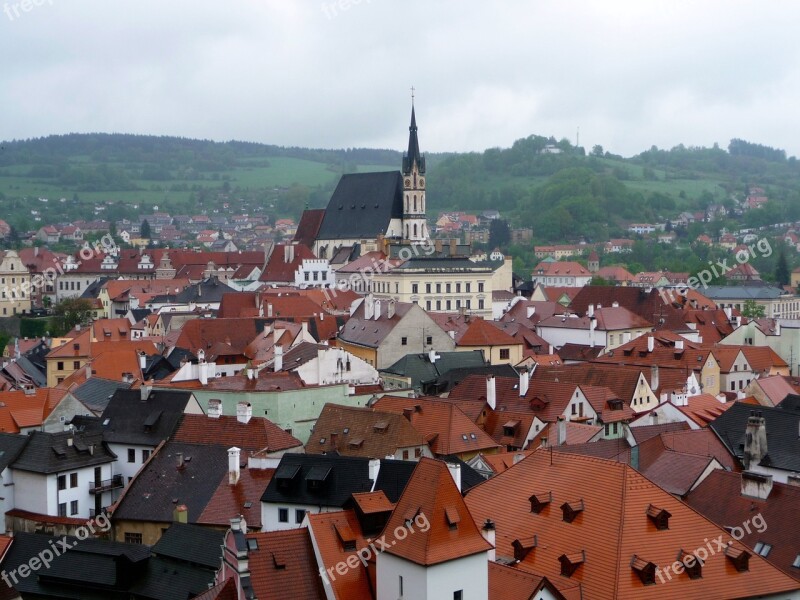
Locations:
(597, 150)
(752, 310)
(499, 234)
(782, 274)
(144, 230)
(71, 312)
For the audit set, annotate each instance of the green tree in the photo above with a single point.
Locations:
(71, 312)
(782, 274)
(752, 310)
(597, 150)
(499, 234)
(144, 230)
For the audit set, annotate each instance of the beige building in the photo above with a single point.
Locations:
(15, 285)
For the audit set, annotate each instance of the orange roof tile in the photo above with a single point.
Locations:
(256, 435)
(284, 565)
(243, 499)
(432, 496)
(482, 333)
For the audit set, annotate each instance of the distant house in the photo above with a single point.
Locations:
(560, 274)
(48, 234)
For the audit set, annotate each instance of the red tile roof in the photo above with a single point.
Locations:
(19, 410)
(508, 583)
(482, 333)
(432, 496)
(256, 435)
(612, 528)
(243, 498)
(284, 566)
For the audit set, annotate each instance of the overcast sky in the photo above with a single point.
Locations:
(338, 73)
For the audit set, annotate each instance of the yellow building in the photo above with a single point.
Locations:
(497, 346)
(15, 285)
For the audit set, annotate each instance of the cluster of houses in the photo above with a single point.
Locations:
(365, 414)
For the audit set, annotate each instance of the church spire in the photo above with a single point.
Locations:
(413, 155)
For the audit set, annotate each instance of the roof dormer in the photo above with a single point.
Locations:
(539, 501)
(571, 510)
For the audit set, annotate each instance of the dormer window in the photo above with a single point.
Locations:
(691, 564)
(346, 536)
(316, 478)
(380, 427)
(762, 549)
(571, 562)
(510, 428)
(286, 474)
(659, 517)
(646, 570)
(571, 510)
(539, 501)
(453, 518)
(522, 547)
(739, 557)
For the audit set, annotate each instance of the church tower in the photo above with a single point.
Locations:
(415, 228)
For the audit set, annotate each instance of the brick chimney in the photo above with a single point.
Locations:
(755, 443)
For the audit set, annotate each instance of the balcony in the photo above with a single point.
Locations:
(106, 485)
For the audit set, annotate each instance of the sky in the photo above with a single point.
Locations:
(626, 75)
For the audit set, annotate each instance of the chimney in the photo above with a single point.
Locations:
(793, 479)
(142, 361)
(374, 468)
(88, 371)
(390, 308)
(453, 245)
(738, 322)
(592, 327)
(455, 471)
(377, 309)
(530, 311)
(756, 485)
(234, 455)
(244, 412)
(179, 460)
(654, 379)
(518, 457)
(755, 443)
(214, 408)
(524, 380)
(369, 307)
(491, 392)
(408, 412)
(180, 514)
(288, 253)
(144, 392)
(561, 431)
(438, 246)
(278, 363)
(269, 310)
(239, 524)
(679, 345)
(651, 343)
(432, 356)
(615, 304)
(777, 327)
(590, 312)
(488, 533)
(728, 313)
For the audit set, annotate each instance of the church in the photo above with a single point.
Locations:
(367, 208)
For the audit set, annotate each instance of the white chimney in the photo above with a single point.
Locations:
(269, 310)
(374, 468)
(561, 431)
(142, 361)
(590, 312)
(278, 364)
(679, 345)
(592, 327)
(777, 327)
(756, 485)
(88, 370)
(214, 408)
(530, 311)
(455, 472)
(654, 379)
(491, 392)
(202, 374)
(518, 457)
(738, 322)
(233, 465)
(377, 309)
(728, 312)
(390, 306)
(651, 343)
(244, 412)
(369, 307)
(488, 532)
(432, 356)
(524, 380)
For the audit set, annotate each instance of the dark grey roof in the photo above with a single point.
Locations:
(95, 569)
(208, 290)
(469, 476)
(453, 377)
(337, 477)
(783, 443)
(130, 420)
(362, 206)
(424, 264)
(742, 292)
(191, 543)
(33, 371)
(11, 444)
(93, 289)
(96, 392)
(412, 155)
(419, 368)
(160, 486)
(139, 313)
(63, 451)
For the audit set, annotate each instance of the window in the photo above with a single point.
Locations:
(427, 288)
(401, 586)
(60, 365)
(458, 595)
(73, 508)
(306, 275)
(458, 288)
(133, 538)
(796, 563)
(505, 353)
(574, 410)
(429, 340)
(447, 288)
(438, 305)
(762, 548)
(62, 482)
(468, 287)
(427, 305)
(316, 275)
(415, 288)
(404, 341)
(448, 305)
(131, 455)
(405, 454)
(480, 304)
(283, 515)
(62, 509)
(76, 364)
(616, 429)
(480, 287)
(417, 452)
(145, 455)
(73, 480)
(299, 515)
(438, 288)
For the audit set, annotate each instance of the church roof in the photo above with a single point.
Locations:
(362, 206)
(413, 154)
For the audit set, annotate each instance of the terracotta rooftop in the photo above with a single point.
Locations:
(283, 565)
(243, 498)
(254, 436)
(482, 333)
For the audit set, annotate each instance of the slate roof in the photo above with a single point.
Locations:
(371, 332)
(96, 392)
(130, 420)
(393, 477)
(191, 543)
(11, 444)
(362, 205)
(161, 485)
(783, 443)
(53, 453)
(420, 369)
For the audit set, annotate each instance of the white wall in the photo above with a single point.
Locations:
(330, 367)
(269, 515)
(438, 582)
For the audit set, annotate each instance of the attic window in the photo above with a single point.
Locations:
(322, 440)
(473, 436)
(286, 474)
(453, 518)
(522, 547)
(346, 536)
(615, 404)
(762, 548)
(380, 427)
(464, 436)
(248, 504)
(571, 562)
(645, 569)
(509, 428)
(279, 561)
(659, 517)
(252, 544)
(315, 480)
(740, 558)
(571, 510)
(691, 564)
(539, 501)
(356, 443)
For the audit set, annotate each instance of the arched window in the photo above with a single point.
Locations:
(415, 230)
(415, 203)
(406, 231)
